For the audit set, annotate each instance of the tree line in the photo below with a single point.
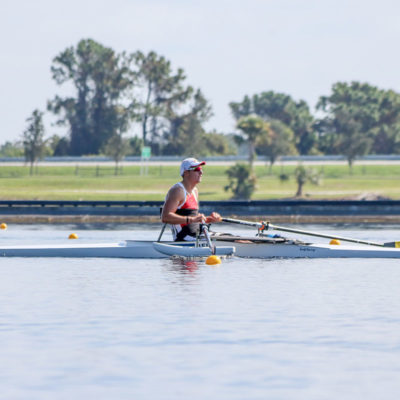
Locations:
(115, 93)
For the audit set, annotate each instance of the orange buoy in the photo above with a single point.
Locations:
(213, 260)
(73, 236)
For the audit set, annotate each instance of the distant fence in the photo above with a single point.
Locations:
(94, 159)
(152, 208)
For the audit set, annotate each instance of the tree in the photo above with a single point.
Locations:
(253, 128)
(278, 106)
(304, 175)
(33, 139)
(351, 141)
(11, 149)
(135, 146)
(59, 145)
(117, 146)
(353, 114)
(279, 140)
(102, 80)
(242, 109)
(242, 181)
(160, 89)
(186, 124)
(387, 132)
(215, 144)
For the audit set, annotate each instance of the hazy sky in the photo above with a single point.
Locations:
(227, 48)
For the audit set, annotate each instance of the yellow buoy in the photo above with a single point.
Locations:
(73, 236)
(334, 241)
(213, 260)
(3, 226)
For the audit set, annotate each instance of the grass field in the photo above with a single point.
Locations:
(100, 183)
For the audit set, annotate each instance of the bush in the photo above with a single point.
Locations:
(242, 182)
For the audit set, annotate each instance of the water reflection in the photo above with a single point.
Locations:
(181, 272)
(185, 266)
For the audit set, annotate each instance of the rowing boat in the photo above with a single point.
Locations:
(261, 245)
(225, 245)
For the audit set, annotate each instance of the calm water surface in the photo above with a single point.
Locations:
(163, 329)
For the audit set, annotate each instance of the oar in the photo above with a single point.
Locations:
(267, 225)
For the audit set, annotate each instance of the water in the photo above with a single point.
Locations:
(163, 329)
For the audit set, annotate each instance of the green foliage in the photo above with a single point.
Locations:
(117, 148)
(304, 175)
(242, 109)
(171, 113)
(113, 90)
(284, 177)
(59, 146)
(186, 135)
(360, 118)
(242, 181)
(135, 146)
(102, 80)
(186, 131)
(252, 128)
(278, 141)
(161, 89)
(9, 149)
(215, 144)
(33, 139)
(279, 106)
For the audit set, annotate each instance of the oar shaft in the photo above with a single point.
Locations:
(241, 222)
(300, 231)
(322, 235)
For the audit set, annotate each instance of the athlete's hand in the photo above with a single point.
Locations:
(214, 217)
(201, 218)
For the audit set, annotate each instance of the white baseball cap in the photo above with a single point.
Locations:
(190, 163)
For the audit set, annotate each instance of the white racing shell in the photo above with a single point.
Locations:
(147, 249)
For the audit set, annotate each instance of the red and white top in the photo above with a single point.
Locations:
(190, 206)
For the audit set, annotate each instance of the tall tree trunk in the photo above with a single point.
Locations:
(299, 189)
(350, 162)
(251, 154)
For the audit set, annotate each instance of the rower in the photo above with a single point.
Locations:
(181, 207)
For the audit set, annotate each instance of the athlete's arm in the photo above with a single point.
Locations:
(213, 217)
(175, 197)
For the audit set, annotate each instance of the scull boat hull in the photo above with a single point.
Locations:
(124, 249)
(146, 249)
(287, 250)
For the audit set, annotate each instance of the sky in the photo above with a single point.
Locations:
(228, 49)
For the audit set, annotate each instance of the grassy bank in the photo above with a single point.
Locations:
(100, 183)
